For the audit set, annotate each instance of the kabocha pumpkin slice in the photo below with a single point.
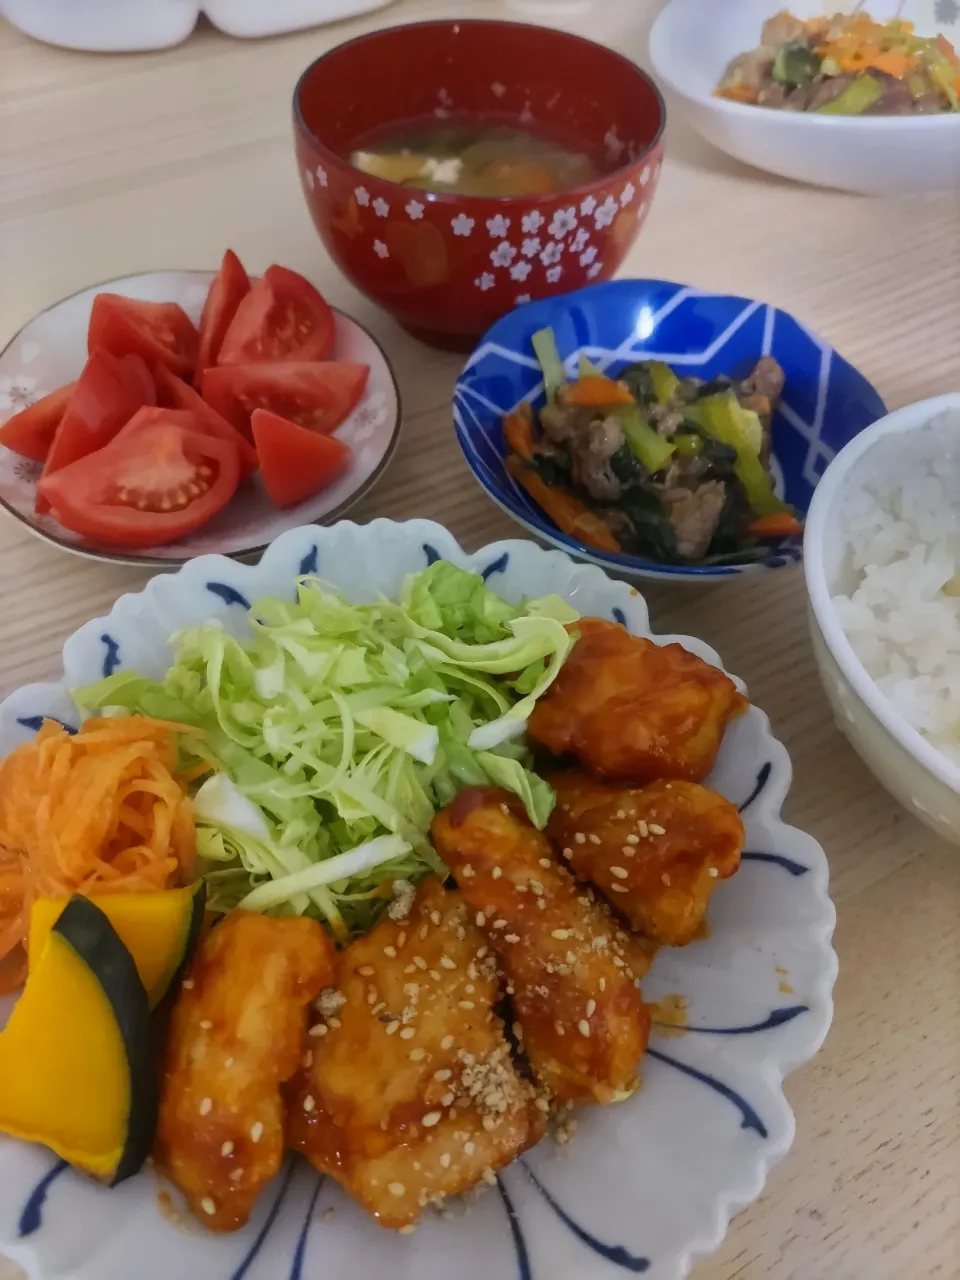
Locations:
(77, 1067)
(160, 930)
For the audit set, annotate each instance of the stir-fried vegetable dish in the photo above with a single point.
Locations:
(652, 464)
(845, 65)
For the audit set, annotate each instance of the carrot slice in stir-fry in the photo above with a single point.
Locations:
(595, 391)
(99, 808)
(780, 524)
(568, 513)
(518, 430)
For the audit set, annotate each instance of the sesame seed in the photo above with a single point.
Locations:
(628, 851)
(435, 974)
(511, 937)
(497, 872)
(560, 934)
(499, 924)
(446, 1042)
(256, 1131)
(558, 1027)
(712, 871)
(469, 988)
(208, 1206)
(401, 938)
(489, 1123)
(542, 1104)
(666, 878)
(505, 811)
(632, 839)
(424, 932)
(408, 1230)
(308, 1059)
(447, 1099)
(583, 1026)
(465, 1004)
(616, 959)
(188, 984)
(445, 1160)
(236, 1175)
(619, 872)
(391, 952)
(621, 813)
(447, 963)
(392, 1027)
(481, 920)
(227, 1149)
(468, 1148)
(591, 1008)
(396, 1189)
(228, 1063)
(602, 984)
(408, 1033)
(594, 839)
(434, 917)
(655, 829)
(518, 1030)
(309, 1103)
(545, 862)
(580, 837)
(206, 1106)
(467, 871)
(366, 971)
(431, 1118)
(443, 1074)
(642, 828)
(419, 962)
(568, 853)
(417, 1055)
(206, 1024)
(619, 888)
(521, 888)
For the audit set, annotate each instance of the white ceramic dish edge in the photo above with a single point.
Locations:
(384, 547)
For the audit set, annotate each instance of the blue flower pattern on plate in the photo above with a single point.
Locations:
(826, 401)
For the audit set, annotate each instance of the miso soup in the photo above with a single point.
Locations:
(475, 158)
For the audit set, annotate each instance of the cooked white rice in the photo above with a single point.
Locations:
(900, 575)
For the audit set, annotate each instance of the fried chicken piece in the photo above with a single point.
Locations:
(657, 852)
(572, 973)
(408, 1092)
(235, 1036)
(635, 711)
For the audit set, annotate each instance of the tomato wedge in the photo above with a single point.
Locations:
(145, 488)
(174, 393)
(230, 286)
(283, 317)
(30, 432)
(107, 394)
(160, 332)
(318, 395)
(295, 463)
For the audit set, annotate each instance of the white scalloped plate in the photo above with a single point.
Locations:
(644, 1188)
(51, 349)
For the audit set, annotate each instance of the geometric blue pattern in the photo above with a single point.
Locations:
(826, 402)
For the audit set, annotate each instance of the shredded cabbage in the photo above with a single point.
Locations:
(338, 729)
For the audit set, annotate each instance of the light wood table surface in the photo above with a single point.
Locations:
(119, 164)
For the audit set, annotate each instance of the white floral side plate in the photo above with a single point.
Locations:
(50, 350)
(644, 1188)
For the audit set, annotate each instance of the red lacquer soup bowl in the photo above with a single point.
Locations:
(447, 266)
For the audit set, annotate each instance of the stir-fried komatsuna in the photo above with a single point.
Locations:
(845, 65)
(649, 463)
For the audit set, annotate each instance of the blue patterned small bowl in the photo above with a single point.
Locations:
(826, 402)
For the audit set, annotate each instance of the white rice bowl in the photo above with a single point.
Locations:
(897, 588)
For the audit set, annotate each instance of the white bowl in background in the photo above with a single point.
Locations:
(912, 770)
(122, 26)
(691, 44)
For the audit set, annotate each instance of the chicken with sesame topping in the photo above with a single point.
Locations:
(235, 1035)
(572, 973)
(414, 1098)
(657, 852)
(633, 710)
